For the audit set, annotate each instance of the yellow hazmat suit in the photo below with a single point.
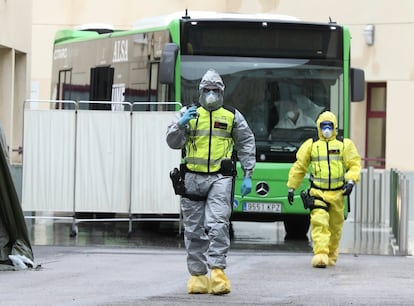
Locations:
(335, 168)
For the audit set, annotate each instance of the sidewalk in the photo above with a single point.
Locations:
(155, 276)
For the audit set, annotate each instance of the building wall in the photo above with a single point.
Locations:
(389, 60)
(399, 118)
(15, 45)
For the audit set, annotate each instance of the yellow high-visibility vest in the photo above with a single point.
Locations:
(327, 164)
(210, 140)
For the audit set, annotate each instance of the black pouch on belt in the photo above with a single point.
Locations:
(227, 167)
(177, 182)
(308, 201)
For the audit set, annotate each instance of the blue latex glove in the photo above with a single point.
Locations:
(246, 186)
(190, 113)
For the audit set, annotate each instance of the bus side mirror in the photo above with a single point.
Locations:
(357, 85)
(168, 60)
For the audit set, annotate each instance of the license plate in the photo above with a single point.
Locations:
(262, 207)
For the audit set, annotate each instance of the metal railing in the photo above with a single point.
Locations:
(399, 214)
(381, 202)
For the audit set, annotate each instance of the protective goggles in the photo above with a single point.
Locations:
(326, 125)
(208, 89)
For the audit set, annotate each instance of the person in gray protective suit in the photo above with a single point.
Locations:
(209, 132)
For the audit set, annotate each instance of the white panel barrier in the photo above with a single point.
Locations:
(83, 160)
(152, 160)
(48, 159)
(103, 161)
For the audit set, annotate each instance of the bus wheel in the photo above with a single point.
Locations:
(297, 227)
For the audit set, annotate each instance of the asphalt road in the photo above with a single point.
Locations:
(102, 266)
(72, 275)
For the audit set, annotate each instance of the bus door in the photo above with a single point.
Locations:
(101, 82)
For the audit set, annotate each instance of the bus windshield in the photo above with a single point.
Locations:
(280, 98)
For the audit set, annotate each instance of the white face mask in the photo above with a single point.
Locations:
(211, 97)
(291, 115)
(211, 100)
(327, 132)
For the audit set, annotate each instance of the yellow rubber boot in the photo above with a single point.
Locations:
(331, 262)
(320, 261)
(197, 284)
(333, 256)
(219, 283)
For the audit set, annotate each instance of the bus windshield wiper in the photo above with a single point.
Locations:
(285, 147)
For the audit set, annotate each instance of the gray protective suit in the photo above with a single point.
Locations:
(206, 222)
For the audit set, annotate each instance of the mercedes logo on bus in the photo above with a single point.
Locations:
(262, 189)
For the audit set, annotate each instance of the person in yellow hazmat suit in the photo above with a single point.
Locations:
(335, 167)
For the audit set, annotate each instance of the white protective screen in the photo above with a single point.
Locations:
(48, 160)
(152, 161)
(103, 161)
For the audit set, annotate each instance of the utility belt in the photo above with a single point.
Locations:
(227, 168)
(309, 201)
(315, 187)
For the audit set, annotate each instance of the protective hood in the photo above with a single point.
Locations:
(214, 99)
(327, 116)
(211, 79)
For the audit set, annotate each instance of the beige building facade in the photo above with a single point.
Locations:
(380, 125)
(15, 46)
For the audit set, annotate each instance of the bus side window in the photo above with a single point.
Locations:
(168, 62)
(153, 86)
(63, 87)
(102, 79)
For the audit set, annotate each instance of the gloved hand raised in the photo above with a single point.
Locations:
(348, 187)
(190, 113)
(246, 186)
(290, 195)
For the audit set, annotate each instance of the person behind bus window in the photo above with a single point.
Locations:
(293, 116)
(310, 108)
(335, 167)
(209, 132)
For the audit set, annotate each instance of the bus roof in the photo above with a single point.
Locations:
(95, 31)
(69, 34)
(95, 26)
(165, 20)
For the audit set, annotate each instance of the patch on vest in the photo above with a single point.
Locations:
(220, 125)
(334, 151)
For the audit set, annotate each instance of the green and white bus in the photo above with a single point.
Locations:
(266, 62)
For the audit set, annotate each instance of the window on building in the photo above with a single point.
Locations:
(376, 125)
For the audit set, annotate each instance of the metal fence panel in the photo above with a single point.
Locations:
(381, 201)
